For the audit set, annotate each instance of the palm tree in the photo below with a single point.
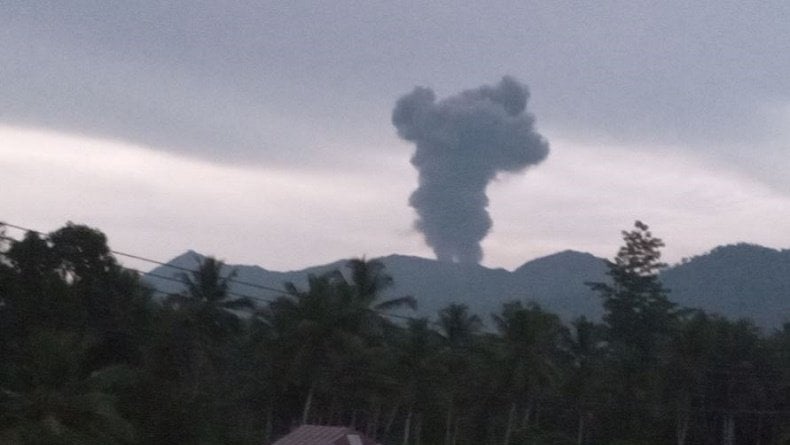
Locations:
(318, 326)
(205, 329)
(369, 280)
(530, 338)
(51, 399)
(416, 349)
(585, 348)
(207, 302)
(458, 329)
(332, 321)
(687, 360)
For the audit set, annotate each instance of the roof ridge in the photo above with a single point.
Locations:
(316, 435)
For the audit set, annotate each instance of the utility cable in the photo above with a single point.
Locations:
(188, 270)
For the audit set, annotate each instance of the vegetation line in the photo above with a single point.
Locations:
(89, 357)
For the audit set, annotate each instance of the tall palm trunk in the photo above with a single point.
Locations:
(527, 415)
(372, 423)
(580, 430)
(407, 428)
(511, 418)
(308, 403)
(683, 417)
(418, 430)
(448, 425)
(490, 432)
(390, 420)
(682, 427)
(267, 432)
(728, 430)
(335, 414)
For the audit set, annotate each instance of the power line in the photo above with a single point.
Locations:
(185, 269)
(165, 277)
(157, 262)
(231, 280)
(239, 295)
(742, 373)
(158, 276)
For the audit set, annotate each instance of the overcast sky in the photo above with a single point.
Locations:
(261, 131)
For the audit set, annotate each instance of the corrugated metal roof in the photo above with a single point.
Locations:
(323, 435)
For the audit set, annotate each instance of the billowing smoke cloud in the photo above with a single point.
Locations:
(463, 142)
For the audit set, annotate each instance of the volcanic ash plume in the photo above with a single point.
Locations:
(463, 142)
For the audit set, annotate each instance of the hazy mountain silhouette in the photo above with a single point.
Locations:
(736, 281)
(741, 280)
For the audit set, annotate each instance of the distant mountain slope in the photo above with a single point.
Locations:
(436, 284)
(559, 280)
(248, 274)
(736, 281)
(556, 282)
(739, 281)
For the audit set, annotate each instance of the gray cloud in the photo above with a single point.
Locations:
(220, 82)
(463, 142)
(269, 82)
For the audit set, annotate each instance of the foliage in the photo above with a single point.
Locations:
(89, 357)
(638, 311)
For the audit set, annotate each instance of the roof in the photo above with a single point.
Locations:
(324, 435)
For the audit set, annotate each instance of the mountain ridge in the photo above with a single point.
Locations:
(737, 280)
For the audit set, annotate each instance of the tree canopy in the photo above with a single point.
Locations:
(90, 355)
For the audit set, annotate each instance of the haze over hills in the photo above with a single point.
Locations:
(738, 281)
(741, 280)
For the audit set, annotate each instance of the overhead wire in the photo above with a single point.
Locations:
(229, 279)
(283, 292)
(153, 261)
(185, 269)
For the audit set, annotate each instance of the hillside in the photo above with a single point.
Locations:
(738, 281)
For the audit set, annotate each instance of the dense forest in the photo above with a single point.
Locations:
(90, 355)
